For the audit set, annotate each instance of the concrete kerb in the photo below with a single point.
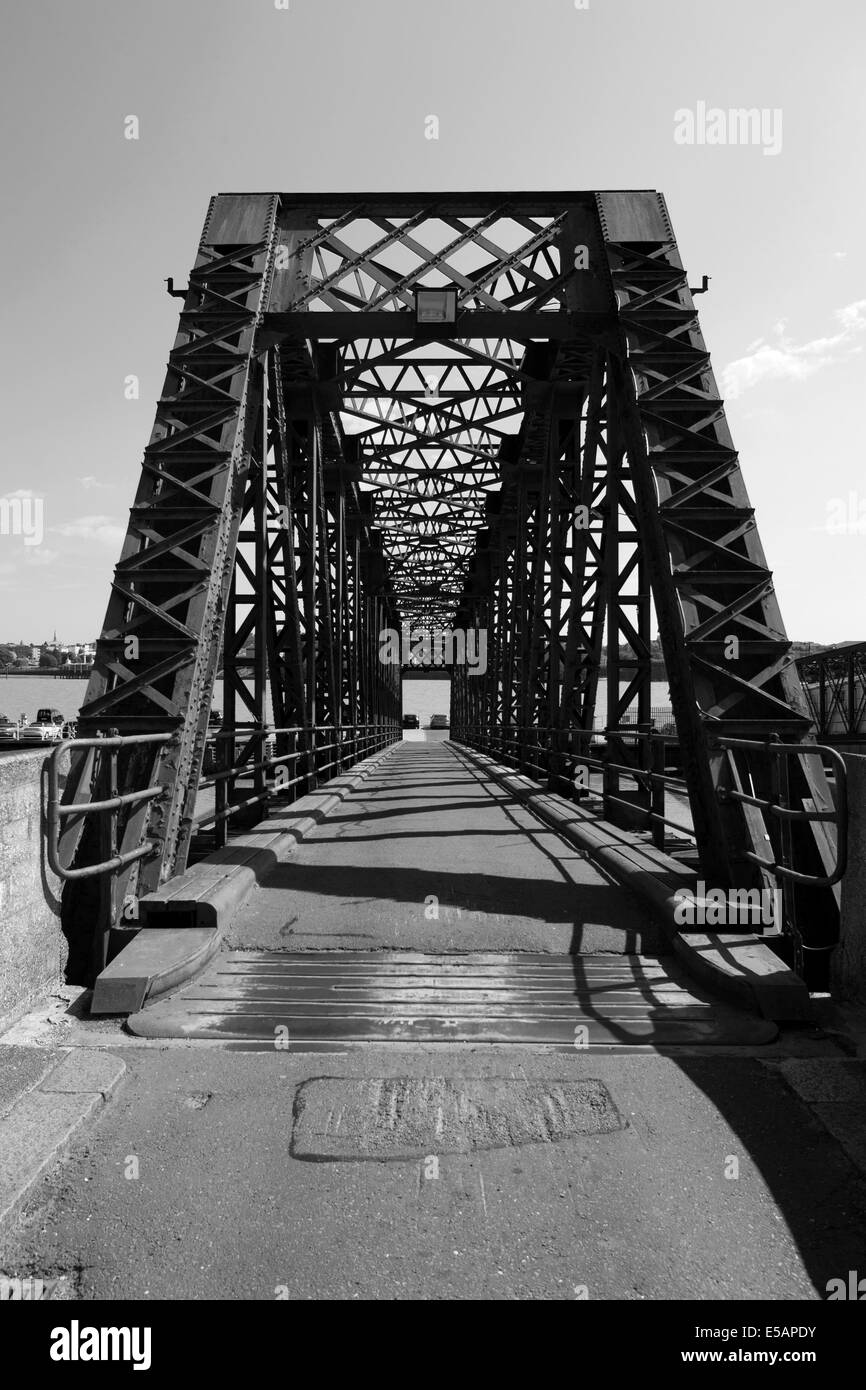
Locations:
(157, 960)
(38, 1129)
(182, 924)
(740, 967)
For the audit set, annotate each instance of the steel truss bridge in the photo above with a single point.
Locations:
(835, 685)
(487, 412)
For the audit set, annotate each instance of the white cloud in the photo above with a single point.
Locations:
(785, 360)
(853, 315)
(90, 482)
(28, 557)
(105, 530)
(40, 555)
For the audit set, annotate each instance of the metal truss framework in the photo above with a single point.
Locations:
(549, 467)
(835, 685)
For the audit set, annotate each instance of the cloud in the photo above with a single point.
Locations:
(853, 315)
(40, 555)
(28, 557)
(105, 530)
(785, 360)
(90, 482)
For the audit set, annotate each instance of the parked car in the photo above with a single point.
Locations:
(410, 721)
(49, 726)
(439, 721)
(49, 716)
(9, 730)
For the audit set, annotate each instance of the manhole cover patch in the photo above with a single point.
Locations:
(407, 1116)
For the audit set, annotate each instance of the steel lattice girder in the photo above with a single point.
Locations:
(726, 650)
(835, 684)
(383, 470)
(152, 669)
(218, 548)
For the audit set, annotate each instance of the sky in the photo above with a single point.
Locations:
(334, 95)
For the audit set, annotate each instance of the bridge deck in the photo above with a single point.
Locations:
(430, 855)
(432, 907)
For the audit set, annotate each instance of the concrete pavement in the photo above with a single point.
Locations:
(443, 1171)
(709, 1179)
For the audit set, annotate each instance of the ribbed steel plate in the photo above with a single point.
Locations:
(314, 999)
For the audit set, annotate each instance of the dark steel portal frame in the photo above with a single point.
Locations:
(548, 468)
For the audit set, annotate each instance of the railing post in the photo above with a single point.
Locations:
(782, 782)
(106, 831)
(608, 777)
(312, 770)
(789, 892)
(221, 761)
(657, 788)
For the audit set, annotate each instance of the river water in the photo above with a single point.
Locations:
(25, 694)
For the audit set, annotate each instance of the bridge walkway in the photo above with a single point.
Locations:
(433, 907)
(324, 1140)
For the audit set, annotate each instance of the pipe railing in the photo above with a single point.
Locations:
(779, 804)
(520, 744)
(558, 747)
(349, 743)
(109, 806)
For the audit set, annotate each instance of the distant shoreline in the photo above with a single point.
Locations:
(52, 672)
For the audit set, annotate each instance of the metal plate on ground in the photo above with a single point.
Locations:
(312, 999)
(400, 1117)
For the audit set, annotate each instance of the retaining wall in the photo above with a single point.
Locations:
(33, 950)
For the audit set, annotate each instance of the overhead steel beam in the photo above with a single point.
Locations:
(401, 324)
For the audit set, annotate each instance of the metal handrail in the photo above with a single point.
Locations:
(550, 739)
(56, 811)
(839, 813)
(497, 736)
(352, 743)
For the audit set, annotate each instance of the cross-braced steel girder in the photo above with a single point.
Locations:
(547, 468)
(835, 685)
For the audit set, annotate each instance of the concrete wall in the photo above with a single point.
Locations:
(32, 946)
(848, 968)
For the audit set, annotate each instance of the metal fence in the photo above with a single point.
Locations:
(246, 768)
(642, 757)
(279, 762)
